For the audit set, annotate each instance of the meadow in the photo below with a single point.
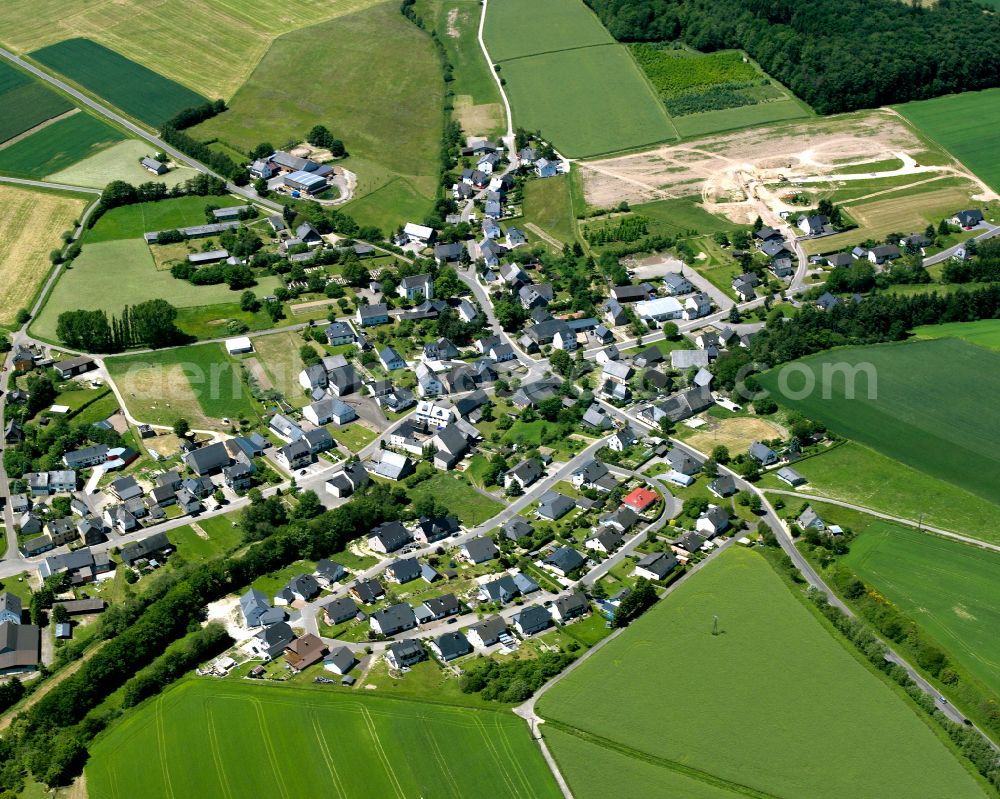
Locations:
(985, 333)
(547, 203)
(58, 146)
(948, 588)
(118, 162)
(29, 228)
(278, 354)
(200, 383)
(571, 95)
(861, 476)
(135, 89)
(964, 125)
(26, 101)
(132, 221)
(232, 739)
(680, 216)
(391, 117)
(476, 103)
(921, 409)
(112, 274)
(775, 680)
(210, 46)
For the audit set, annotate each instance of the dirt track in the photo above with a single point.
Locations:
(718, 168)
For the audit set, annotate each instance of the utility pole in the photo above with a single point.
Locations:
(715, 625)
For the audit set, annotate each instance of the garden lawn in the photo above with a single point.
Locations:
(454, 492)
(132, 221)
(985, 333)
(948, 588)
(58, 146)
(856, 474)
(925, 406)
(235, 738)
(29, 228)
(355, 435)
(137, 90)
(200, 383)
(112, 274)
(570, 96)
(780, 684)
(389, 118)
(964, 125)
(118, 162)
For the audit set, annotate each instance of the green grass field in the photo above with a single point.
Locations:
(112, 274)
(137, 90)
(26, 101)
(964, 125)
(553, 25)
(57, 146)
(118, 162)
(200, 383)
(947, 587)
(236, 739)
(985, 333)
(454, 491)
(391, 116)
(595, 772)
(691, 126)
(859, 475)
(780, 705)
(681, 216)
(927, 410)
(566, 76)
(547, 203)
(569, 95)
(131, 221)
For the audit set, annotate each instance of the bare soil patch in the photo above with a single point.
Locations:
(731, 167)
(735, 434)
(259, 374)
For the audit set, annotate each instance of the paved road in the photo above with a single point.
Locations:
(878, 514)
(989, 231)
(44, 184)
(142, 133)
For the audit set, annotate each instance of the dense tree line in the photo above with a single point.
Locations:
(512, 680)
(837, 55)
(637, 602)
(151, 323)
(878, 318)
(983, 268)
(43, 447)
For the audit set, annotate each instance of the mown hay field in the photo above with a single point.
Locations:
(236, 739)
(390, 117)
(774, 679)
(30, 226)
(200, 383)
(210, 46)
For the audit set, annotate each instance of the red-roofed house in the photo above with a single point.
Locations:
(639, 499)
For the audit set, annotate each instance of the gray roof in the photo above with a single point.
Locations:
(452, 644)
(480, 549)
(659, 563)
(566, 559)
(553, 505)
